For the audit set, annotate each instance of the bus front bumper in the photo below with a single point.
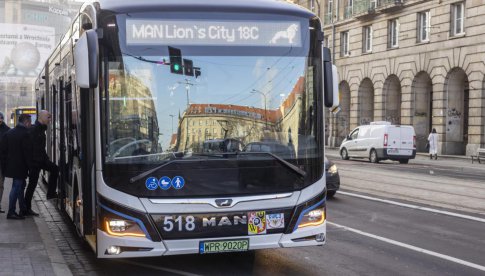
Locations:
(129, 247)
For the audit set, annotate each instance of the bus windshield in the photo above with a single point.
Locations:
(250, 88)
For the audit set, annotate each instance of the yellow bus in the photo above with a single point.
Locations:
(17, 111)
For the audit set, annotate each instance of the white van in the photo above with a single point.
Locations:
(380, 141)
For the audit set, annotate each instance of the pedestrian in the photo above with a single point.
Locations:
(3, 129)
(16, 148)
(40, 160)
(433, 144)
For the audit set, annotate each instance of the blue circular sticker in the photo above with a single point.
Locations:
(151, 183)
(178, 182)
(165, 183)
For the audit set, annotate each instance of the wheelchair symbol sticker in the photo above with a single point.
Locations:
(151, 183)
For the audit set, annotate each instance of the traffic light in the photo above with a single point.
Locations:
(188, 67)
(197, 72)
(175, 60)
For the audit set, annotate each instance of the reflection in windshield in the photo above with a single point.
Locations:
(154, 113)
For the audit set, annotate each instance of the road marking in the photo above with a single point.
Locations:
(411, 247)
(174, 271)
(414, 207)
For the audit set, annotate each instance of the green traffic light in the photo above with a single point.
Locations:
(176, 67)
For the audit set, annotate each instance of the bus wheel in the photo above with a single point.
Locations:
(373, 156)
(344, 154)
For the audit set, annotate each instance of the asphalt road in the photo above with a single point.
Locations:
(365, 236)
(347, 252)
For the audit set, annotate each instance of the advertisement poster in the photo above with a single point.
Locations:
(23, 50)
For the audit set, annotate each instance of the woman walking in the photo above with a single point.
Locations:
(433, 144)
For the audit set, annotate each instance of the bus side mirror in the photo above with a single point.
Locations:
(330, 82)
(86, 60)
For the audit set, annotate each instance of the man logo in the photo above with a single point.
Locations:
(224, 202)
(289, 34)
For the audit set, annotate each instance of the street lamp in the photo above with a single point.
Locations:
(265, 109)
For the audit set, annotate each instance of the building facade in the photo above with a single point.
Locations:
(202, 123)
(411, 62)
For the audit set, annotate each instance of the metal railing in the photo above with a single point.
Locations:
(383, 3)
(363, 6)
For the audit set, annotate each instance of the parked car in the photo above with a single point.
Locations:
(332, 178)
(380, 141)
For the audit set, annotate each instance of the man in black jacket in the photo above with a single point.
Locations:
(3, 129)
(40, 160)
(16, 148)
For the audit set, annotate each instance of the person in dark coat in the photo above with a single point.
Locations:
(3, 129)
(16, 148)
(40, 160)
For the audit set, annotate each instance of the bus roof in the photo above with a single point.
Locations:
(243, 6)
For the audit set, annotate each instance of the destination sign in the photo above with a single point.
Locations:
(213, 33)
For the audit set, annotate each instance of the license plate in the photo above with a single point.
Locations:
(206, 247)
(391, 151)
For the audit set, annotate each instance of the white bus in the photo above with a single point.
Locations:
(136, 87)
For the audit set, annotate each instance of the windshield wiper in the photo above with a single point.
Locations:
(175, 158)
(221, 155)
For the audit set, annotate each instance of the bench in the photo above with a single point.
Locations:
(480, 155)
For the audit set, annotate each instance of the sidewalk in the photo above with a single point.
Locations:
(460, 161)
(27, 246)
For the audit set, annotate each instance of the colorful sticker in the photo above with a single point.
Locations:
(151, 183)
(257, 223)
(178, 182)
(275, 221)
(165, 183)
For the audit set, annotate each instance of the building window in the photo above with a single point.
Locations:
(348, 9)
(424, 26)
(344, 44)
(327, 19)
(457, 19)
(325, 41)
(373, 4)
(367, 39)
(393, 34)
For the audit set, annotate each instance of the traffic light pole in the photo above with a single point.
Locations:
(187, 90)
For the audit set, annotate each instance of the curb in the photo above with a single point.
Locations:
(59, 264)
(424, 154)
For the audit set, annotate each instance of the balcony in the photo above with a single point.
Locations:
(390, 5)
(364, 9)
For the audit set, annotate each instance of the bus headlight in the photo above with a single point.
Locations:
(122, 227)
(313, 217)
